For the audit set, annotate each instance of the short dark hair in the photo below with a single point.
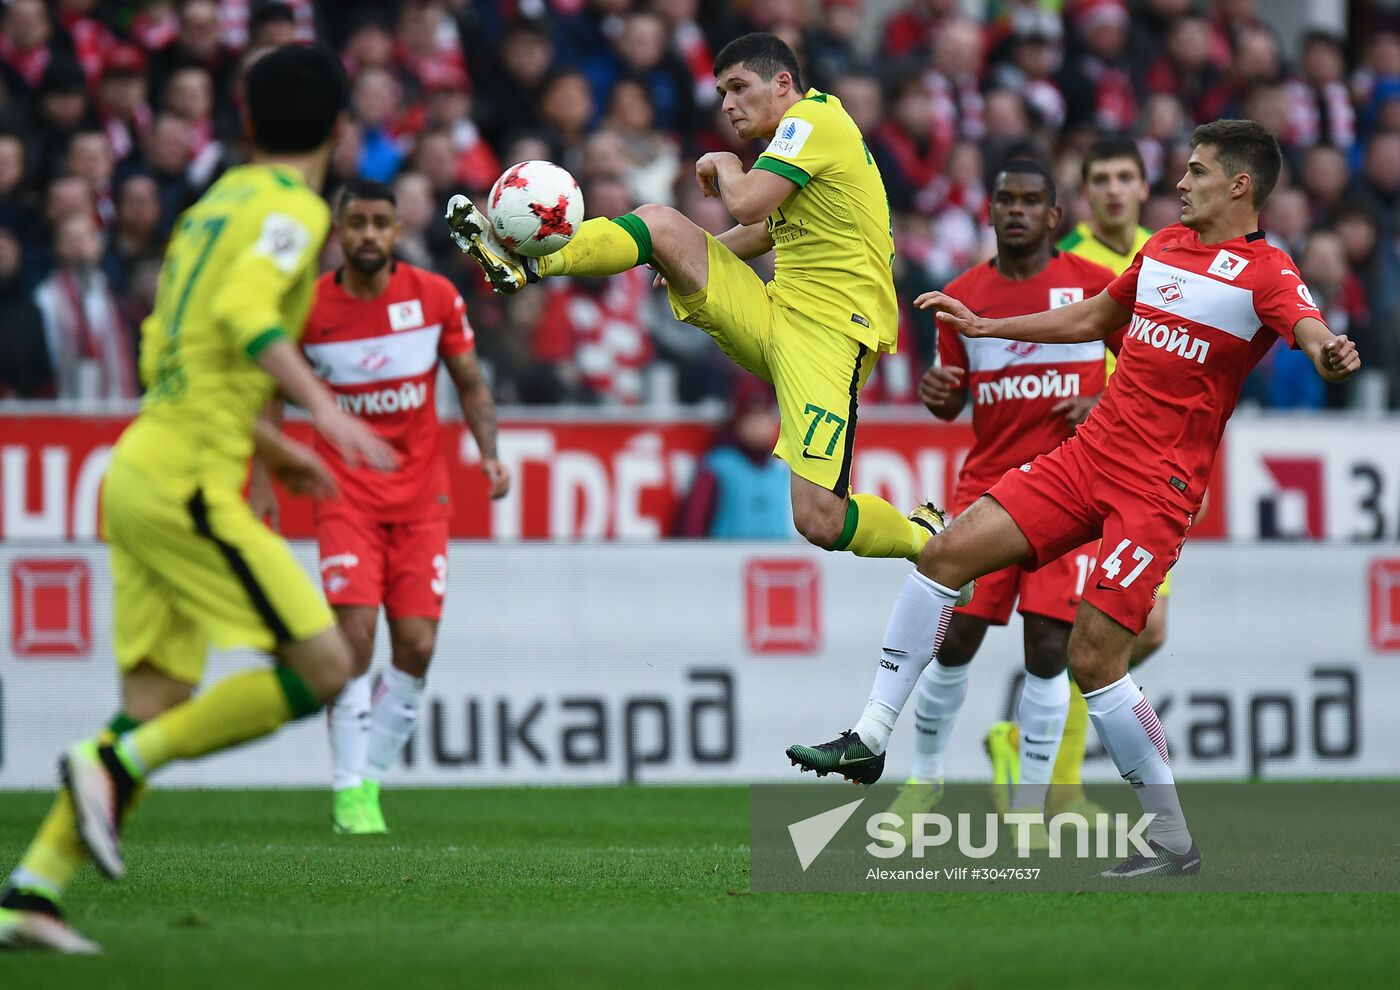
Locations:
(764, 54)
(294, 95)
(1109, 147)
(1029, 166)
(365, 189)
(1244, 146)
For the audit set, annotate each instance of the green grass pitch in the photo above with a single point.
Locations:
(632, 887)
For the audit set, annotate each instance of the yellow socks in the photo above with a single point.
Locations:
(238, 709)
(874, 528)
(1065, 783)
(601, 247)
(56, 853)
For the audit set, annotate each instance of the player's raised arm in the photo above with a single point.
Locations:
(1091, 319)
(748, 196)
(1335, 357)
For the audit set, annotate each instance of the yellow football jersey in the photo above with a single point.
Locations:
(238, 274)
(832, 236)
(1083, 242)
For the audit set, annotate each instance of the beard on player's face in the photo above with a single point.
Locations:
(367, 262)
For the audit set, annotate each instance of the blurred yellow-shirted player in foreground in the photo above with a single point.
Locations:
(191, 565)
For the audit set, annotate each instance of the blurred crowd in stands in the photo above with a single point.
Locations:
(115, 114)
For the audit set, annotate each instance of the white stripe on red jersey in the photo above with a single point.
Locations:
(1198, 310)
(1015, 384)
(377, 358)
(380, 358)
(1198, 298)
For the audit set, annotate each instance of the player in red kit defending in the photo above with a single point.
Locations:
(1206, 299)
(377, 332)
(1025, 402)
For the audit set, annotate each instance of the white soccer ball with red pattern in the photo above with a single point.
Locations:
(535, 208)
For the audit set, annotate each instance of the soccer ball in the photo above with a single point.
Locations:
(535, 208)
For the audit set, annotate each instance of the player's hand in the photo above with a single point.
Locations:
(952, 314)
(1077, 409)
(707, 171)
(356, 443)
(498, 475)
(660, 281)
(262, 499)
(1340, 359)
(299, 469)
(937, 386)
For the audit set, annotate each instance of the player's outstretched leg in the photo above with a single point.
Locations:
(1130, 731)
(601, 247)
(506, 271)
(982, 540)
(242, 707)
(942, 688)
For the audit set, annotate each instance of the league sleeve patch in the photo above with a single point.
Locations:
(791, 135)
(284, 240)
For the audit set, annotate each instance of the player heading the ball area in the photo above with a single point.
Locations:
(1026, 401)
(1206, 298)
(191, 564)
(377, 331)
(816, 198)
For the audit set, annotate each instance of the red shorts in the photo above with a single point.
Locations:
(1062, 500)
(1052, 591)
(400, 565)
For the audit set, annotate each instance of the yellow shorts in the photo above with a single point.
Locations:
(817, 372)
(191, 567)
(1165, 588)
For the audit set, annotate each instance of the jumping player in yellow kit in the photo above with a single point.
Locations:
(816, 198)
(191, 564)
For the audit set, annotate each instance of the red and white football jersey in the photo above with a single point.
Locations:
(1016, 384)
(380, 358)
(1203, 316)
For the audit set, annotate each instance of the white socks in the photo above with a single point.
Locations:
(920, 618)
(1041, 716)
(349, 727)
(1128, 728)
(942, 691)
(392, 719)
